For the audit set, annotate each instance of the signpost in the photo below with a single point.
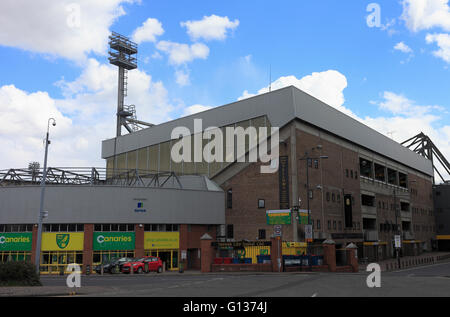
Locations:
(308, 233)
(277, 231)
(278, 217)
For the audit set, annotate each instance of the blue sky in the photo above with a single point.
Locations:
(388, 76)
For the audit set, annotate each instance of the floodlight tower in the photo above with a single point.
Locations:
(122, 53)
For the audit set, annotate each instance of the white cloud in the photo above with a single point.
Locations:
(195, 109)
(443, 42)
(426, 14)
(85, 116)
(182, 78)
(148, 32)
(210, 28)
(403, 117)
(327, 86)
(65, 28)
(183, 53)
(402, 47)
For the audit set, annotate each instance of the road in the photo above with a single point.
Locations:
(433, 280)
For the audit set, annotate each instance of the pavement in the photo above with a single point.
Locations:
(429, 280)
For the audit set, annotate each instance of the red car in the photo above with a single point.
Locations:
(154, 265)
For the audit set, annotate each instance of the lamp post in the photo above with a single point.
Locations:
(398, 231)
(308, 159)
(42, 213)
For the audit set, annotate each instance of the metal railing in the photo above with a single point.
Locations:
(89, 176)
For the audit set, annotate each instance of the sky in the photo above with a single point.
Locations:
(384, 63)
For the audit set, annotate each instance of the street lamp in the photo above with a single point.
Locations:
(308, 159)
(398, 231)
(42, 213)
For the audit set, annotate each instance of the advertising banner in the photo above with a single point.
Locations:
(15, 241)
(113, 241)
(278, 217)
(62, 241)
(161, 240)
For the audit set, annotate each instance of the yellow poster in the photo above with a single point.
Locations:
(62, 241)
(161, 240)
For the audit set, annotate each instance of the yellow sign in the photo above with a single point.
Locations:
(62, 241)
(443, 237)
(161, 240)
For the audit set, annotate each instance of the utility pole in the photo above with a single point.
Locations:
(42, 214)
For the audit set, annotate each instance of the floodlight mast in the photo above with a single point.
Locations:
(122, 53)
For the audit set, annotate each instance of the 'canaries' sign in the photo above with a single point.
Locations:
(15, 241)
(113, 241)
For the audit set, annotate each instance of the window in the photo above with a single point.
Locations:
(367, 200)
(261, 234)
(318, 224)
(329, 224)
(311, 194)
(351, 174)
(365, 168)
(230, 232)
(316, 164)
(403, 180)
(328, 196)
(16, 228)
(346, 172)
(380, 172)
(333, 197)
(334, 225)
(338, 198)
(309, 162)
(261, 203)
(230, 199)
(392, 177)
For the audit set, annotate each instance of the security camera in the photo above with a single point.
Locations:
(54, 123)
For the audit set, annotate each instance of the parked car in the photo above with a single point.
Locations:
(154, 265)
(111, 265)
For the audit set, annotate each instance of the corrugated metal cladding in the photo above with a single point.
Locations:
(112, 204)
(280, 107)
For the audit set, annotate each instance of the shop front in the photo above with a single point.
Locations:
(164, 245)
(61, 249)
(15, 246)
(112, 245)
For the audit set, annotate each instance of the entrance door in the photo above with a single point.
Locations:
(166, 258)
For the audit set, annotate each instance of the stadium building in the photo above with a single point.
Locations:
(361, 187)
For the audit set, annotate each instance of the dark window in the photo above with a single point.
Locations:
(392, 176)
(338, 198)
(367, 200)
(309, 162)
(403, 180)
(380, 172)
(333, 197)
(318, 224)
(346, 172)
(334, 224)
(351, 174)
(365, 168)
(328, 196)
(230, 198)
(261, 234)
(97, 227)
(329, 224)
(230, 232)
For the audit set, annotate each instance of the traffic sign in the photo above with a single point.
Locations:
(398, 241)
(277, 230)
(308, 232)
